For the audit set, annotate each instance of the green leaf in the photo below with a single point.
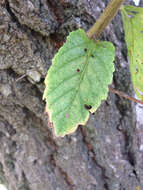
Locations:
(133, 26)
(77, 81)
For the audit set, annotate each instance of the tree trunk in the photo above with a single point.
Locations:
(107, 153)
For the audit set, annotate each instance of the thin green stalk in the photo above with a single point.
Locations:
(108, 14)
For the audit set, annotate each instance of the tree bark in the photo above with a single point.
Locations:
(107, 153)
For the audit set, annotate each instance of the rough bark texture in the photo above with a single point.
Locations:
(107, 153)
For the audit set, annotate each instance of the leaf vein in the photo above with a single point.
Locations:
(67, 62)
(79, 45)
(59, 97)
(64, 80)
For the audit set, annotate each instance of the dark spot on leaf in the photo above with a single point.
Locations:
(142, 63)
(137, 70)
(87, 107)
(78, 70)
(130, 52)
(85, 49)
(83, 62)
(92, 55)
(134, 12)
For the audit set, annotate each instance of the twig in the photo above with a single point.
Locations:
(21, 77)
(108, 14)
(125, 95)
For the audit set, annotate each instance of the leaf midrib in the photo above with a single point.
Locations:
(79, 83)
(82, 76)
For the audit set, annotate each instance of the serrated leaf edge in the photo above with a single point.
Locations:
(92, 110)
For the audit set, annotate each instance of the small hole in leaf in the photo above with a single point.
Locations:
(41, 80)
(142, 31)
(87, 107)
(85, 49)
(92, 55)
(78, 70)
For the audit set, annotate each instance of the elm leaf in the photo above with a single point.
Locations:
(133, 27)
(77, 81)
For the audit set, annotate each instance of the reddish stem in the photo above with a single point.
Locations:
(125, 95)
